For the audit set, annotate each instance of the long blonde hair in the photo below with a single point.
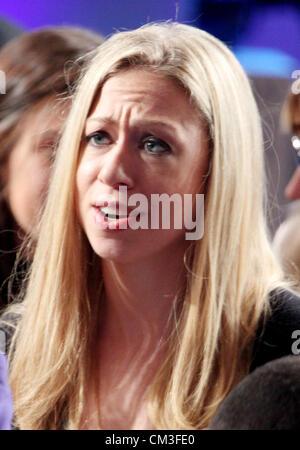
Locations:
(230, 272)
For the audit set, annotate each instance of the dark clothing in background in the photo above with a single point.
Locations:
(279, 336)
(267, 399)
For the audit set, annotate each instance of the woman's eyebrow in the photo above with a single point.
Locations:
(103, 119)
(49, 134)
(146, 123)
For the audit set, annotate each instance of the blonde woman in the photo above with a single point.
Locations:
(125, 327)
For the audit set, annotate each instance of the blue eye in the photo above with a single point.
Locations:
(98, 138)
(155, 145)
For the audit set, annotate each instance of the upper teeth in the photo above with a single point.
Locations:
(111, 213)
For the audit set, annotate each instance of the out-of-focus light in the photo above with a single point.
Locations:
(296, 144)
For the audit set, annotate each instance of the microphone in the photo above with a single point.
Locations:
(267, 399)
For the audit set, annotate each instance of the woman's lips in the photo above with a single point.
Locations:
(108, 224)
(111, 213)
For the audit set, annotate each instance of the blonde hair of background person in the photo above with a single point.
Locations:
(229, 272)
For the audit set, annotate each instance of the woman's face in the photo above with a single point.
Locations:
(29, 163)
(142, 135)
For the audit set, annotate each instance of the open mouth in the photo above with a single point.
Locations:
(111, 215)
(108, 214)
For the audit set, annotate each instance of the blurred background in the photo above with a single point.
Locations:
(263, 34)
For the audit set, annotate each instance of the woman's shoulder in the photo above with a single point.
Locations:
(279, 333)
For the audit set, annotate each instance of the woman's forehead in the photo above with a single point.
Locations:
(144, 90)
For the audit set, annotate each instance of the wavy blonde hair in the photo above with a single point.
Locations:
(230, 272)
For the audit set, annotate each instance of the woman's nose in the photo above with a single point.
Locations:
(118, 167)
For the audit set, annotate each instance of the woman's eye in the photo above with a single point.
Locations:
(98, 138)
(155, 145)
(48, 149)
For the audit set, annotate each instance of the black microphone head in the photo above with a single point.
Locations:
(267, 399)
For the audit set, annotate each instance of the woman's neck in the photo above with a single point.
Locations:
(139, 297)
(134, 330)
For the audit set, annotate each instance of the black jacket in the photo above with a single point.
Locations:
(280, 335)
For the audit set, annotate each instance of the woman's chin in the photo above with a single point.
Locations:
(115, 253)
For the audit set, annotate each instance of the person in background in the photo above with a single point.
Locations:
(128, 325)
(287, 238)
(41, 68)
